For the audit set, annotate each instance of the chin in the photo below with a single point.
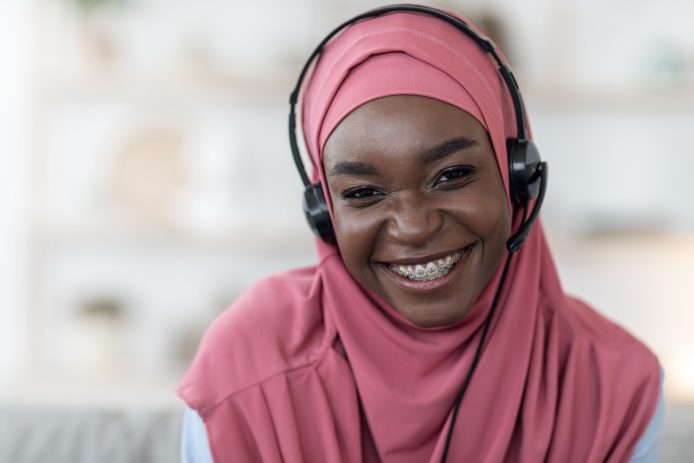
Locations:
(430, 316)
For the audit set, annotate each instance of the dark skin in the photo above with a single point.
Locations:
(413, 179)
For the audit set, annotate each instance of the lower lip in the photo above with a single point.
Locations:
(426, 286)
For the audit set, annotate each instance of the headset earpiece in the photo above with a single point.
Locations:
(317, 212)
(528, 180)
(523, 159)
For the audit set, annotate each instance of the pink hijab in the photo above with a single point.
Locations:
(309, 366)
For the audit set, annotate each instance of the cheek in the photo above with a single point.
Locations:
(485, 213)
(497, 216)
(356, 235)
(497, 220)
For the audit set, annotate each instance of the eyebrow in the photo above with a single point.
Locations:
(429, 156)
(353, 168)
(446, 148)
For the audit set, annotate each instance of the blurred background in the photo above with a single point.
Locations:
(146, 180)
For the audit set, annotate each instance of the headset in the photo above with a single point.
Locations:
(527, 173)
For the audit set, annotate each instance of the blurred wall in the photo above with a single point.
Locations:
(16, 94)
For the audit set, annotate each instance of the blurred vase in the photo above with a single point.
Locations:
(96, 339)
(149, 174)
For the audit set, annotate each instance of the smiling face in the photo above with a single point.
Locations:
(419, 207)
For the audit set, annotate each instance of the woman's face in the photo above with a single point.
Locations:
(420, 210)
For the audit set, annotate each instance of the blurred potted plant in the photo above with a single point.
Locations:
(91, 5)
(97, 23)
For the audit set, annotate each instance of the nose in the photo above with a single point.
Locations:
(413, 221)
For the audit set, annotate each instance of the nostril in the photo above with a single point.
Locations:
(415, 226)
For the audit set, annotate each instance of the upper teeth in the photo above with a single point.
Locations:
(428, 270)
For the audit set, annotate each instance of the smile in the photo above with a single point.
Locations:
(428, 271)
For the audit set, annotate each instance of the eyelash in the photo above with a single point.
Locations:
(460, 172)
(353, 194)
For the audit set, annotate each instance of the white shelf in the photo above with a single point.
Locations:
(605, 98)
(265, 238)
(213, 89)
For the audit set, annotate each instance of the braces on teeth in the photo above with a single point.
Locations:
(430, 270)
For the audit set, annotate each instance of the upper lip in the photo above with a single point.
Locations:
(422, 259)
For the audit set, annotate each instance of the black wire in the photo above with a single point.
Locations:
(478, 352)
(475, 360)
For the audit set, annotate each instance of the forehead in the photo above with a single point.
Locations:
(399, 124)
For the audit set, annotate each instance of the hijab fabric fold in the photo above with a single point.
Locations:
(310, 366)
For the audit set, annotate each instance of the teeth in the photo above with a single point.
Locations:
(429, 270)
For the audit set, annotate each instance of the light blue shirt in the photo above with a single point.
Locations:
(195, 447)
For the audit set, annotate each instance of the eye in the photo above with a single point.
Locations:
(454, 174)
(362, 195)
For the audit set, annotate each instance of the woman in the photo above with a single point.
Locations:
(417, 337)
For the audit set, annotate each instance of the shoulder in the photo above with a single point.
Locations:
(588, 330)
(587, 325)
(275, 326)
(647, 450)
(616, 368)
(616, 376)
